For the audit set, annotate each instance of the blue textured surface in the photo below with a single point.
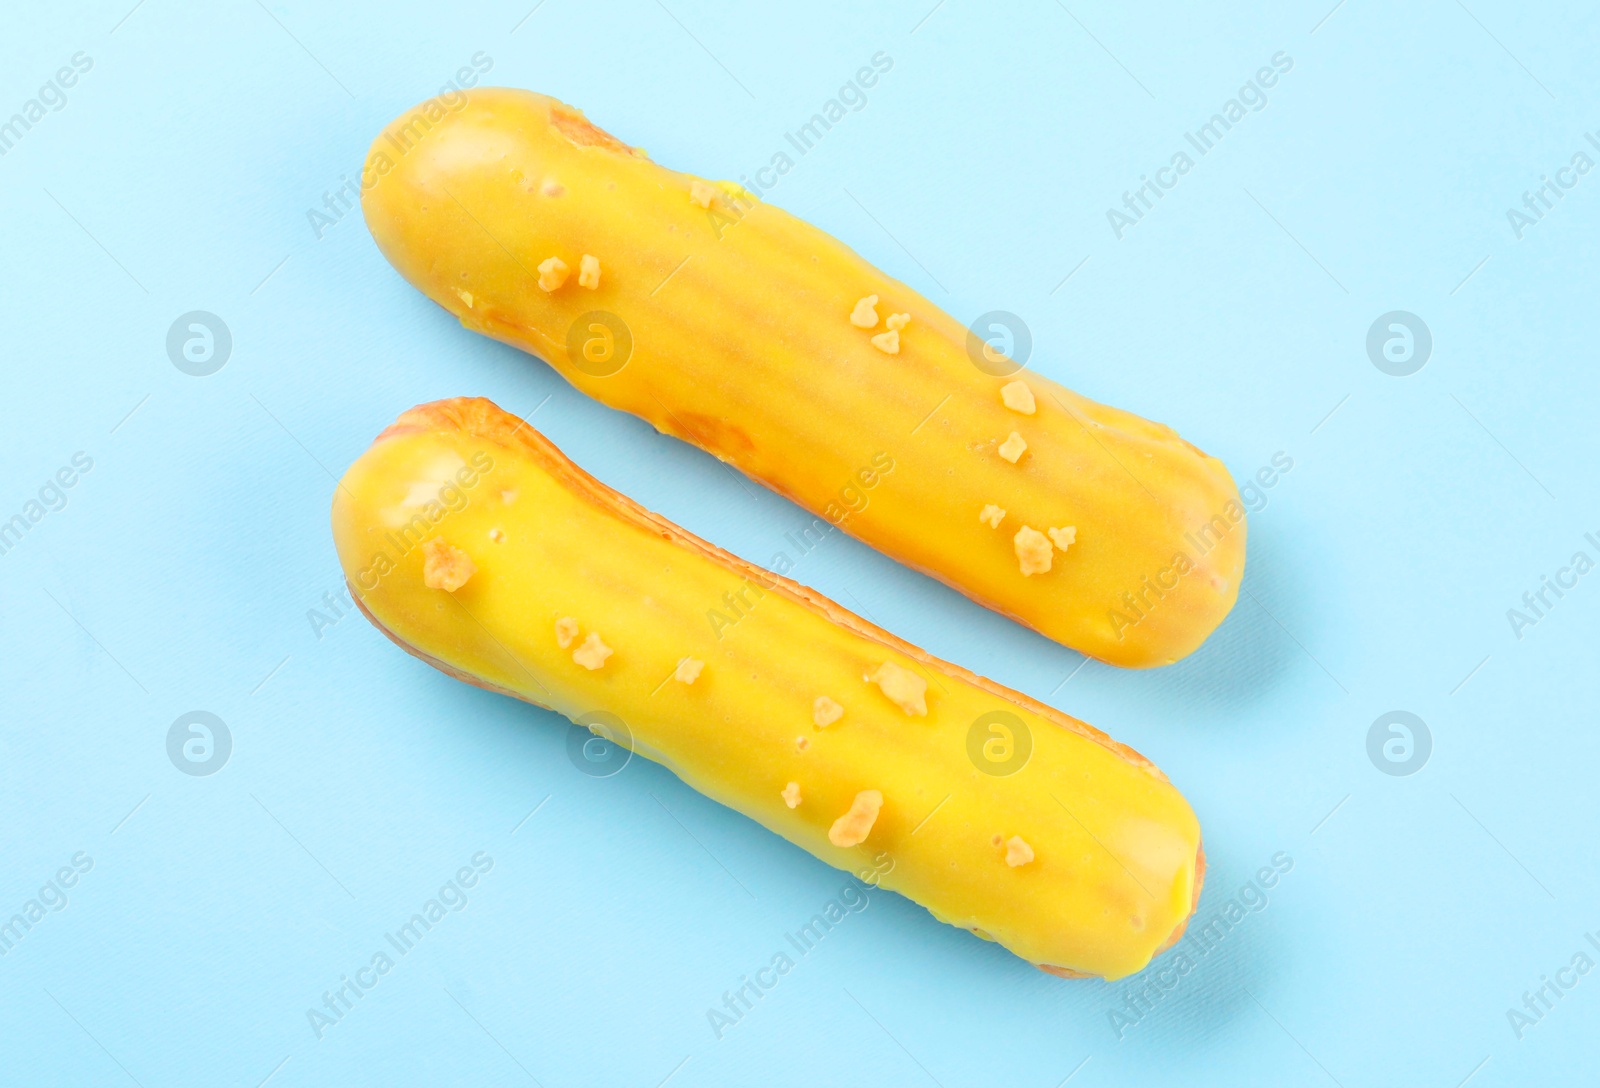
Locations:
(186, 568)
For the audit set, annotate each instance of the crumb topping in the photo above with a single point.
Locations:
(593, 653)
(552, 273)
(1013, 447)
(1063, 538)
(464, 296)
(497, 535)
(888, 342)
(825, 712)
(1033, 550)
(1018, 852)
(791, 795)
(445, 566)
(588, 271)
(552, 187)
(801, 743)
(702, 194)
(566, 631)
(904, 688)
(896, 322)
(865, 315)
(688, 670)
(1017, 397)
(854, 826)
(992, 516)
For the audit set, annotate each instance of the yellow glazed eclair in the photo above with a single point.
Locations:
(735, 326)
(474, 544)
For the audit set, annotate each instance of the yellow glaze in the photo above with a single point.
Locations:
(739, 317)
(1117, 863)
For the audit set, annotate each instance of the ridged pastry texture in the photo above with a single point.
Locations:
(733, 325)
(474, 544)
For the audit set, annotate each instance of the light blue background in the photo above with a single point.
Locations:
(180, 573)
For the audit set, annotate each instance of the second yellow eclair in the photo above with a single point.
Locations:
(474, 544)
(733, 325)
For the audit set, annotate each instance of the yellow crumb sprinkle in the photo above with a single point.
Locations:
(702, 194)
(497, 535)
(1018, 852)
(1033, 550)
(688, 670)
(888, 342)
(593, 653)
(801, 743)
(566, 631)
(791, 795)
(1063, 538)
(865, 315)
(445, 566)
(1018, 397)
(825, 712)
(552, 273)
(552, 187)
(464, 296)
(1013, 447)
(854, 826)
(896, 322)
(992, 516)
(904, 688)
(589, 271)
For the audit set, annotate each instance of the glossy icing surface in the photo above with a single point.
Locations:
(731, 322)
(560, 562)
